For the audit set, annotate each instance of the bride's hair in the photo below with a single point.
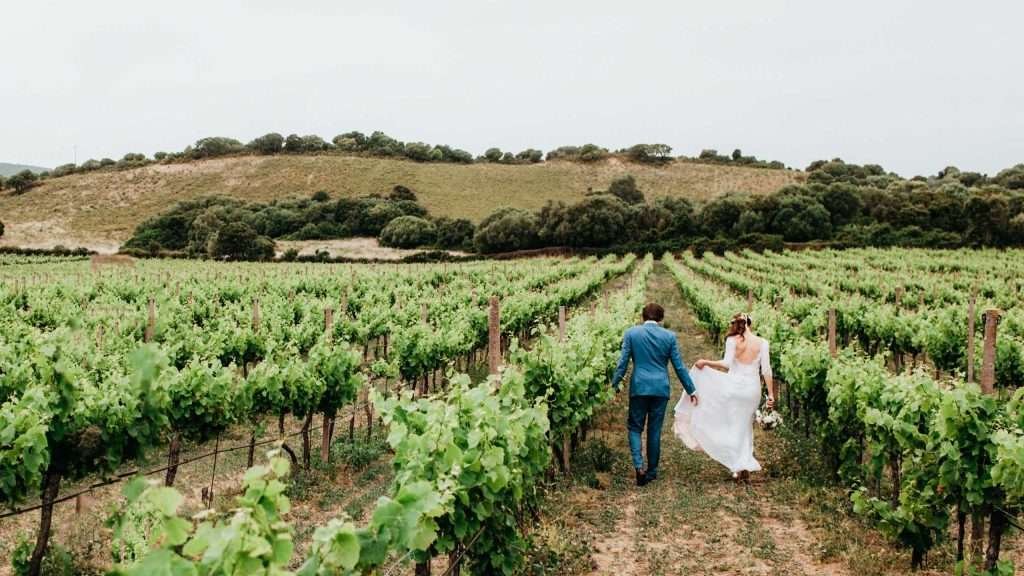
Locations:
(739, 324)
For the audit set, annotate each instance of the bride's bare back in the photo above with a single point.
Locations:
(748, 348)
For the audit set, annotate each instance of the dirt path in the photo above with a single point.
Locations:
(694, 519)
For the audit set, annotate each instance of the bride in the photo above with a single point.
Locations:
(730, 391)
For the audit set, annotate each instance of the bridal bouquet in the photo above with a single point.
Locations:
(768, 419)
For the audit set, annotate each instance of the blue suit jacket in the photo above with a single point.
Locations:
(651, 348)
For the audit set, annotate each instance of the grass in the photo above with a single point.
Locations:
(101, 209)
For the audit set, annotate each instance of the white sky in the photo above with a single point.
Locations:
(914, 85)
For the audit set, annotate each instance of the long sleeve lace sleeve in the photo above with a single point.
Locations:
(730, 351)
(765, 360)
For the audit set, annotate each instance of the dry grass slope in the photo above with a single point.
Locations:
(100, 210)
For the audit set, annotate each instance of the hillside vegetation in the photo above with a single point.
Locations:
(100, 209)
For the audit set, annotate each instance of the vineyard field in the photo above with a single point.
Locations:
(312, 418)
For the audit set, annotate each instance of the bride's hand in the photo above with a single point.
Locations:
(770, 403)
(700, 364)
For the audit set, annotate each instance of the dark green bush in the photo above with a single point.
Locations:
(216, 146)
(507, 229)
(408, 232)
(454, 233)
(239, 241)
(271, 143)
(626, 190)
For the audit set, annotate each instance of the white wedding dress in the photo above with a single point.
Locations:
(722, 424)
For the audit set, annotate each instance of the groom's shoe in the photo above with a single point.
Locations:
(641, 477)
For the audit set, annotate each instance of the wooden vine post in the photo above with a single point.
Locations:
(566, 438)
(988, 358)
(494, 336)
(255, 314)
(328, 423)
(997, 522)
(750, 300)
(151, 321)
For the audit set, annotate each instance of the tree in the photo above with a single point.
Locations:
(238, 241)
(530, 155)
(22, 181)
(598, 221)
(506, 229)
(132, 160)
(625, 189)
(493, 155)
(454, 233)
(1012, 178)
(678, 221)
(408, 232)
(214, 146)
(293, 144)
(64, 170)
(592, 153)
(350, 141)
(802, 219)
(650, 153)
(401, 193)
(750, 222)
(988, 219)
(418, 151)
(270, 143)
(380, 144)
(1016, 230)
(3, 182)
(842, 202)
(320, 196)
(737, 154)
(1, 229)
(721, 214)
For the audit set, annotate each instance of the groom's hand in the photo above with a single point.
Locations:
(694, 400)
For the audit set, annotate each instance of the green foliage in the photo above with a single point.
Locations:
(21, 181)
(271, 143)
(191, 226)
(57, 561)
(454, 233)
(239, 241)
(408, 232)
(251, 539)
(802, 218)
(625, 189)
(216, 146)
(507, 229)
(650, 153)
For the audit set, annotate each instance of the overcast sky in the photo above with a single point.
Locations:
(911, 85)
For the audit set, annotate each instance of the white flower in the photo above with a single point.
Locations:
(768, 419)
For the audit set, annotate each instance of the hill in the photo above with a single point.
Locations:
(7, 169)
(100, 209)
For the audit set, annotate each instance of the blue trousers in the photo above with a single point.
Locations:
(652, 410)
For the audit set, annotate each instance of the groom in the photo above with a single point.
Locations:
(651, 347)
